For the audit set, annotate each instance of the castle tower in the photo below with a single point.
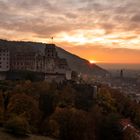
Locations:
(121, 73)
(50, 51)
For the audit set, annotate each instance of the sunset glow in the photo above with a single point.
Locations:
(92, 61)
(104, 29)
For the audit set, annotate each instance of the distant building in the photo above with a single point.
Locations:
(121, 73)
(4, 62)
(4, 59)
(48, 63)
(138, 79)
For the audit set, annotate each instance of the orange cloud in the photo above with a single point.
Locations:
(77, 26)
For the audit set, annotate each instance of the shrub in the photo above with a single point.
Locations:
(50, 128)
(17, 125)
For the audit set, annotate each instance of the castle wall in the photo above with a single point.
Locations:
(4, 59)
(23, 60)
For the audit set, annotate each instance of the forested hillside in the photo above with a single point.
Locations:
(66, 111)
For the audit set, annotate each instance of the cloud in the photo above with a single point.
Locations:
(45, 18)
(136, 18)
(104, 30)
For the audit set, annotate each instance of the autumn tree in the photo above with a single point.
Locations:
(65, 97)
(24, 104)
(110, 129)
(17, 125)
(106, 101)
(74, 124)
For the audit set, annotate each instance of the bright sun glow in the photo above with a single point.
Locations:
(92, 61)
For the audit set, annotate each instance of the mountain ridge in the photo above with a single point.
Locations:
(75, 62)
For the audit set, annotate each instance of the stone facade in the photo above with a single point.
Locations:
(23, 60)
(4, 59)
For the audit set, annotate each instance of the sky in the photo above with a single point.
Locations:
(105, 31)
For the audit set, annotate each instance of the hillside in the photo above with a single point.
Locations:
(75, 63)
(6, 136)
(67, 111)
(79, 64)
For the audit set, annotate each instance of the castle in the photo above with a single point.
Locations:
(48, 63)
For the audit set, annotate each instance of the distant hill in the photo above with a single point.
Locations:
(79, 64)
(75, 62)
